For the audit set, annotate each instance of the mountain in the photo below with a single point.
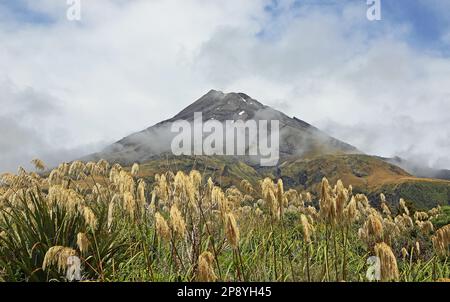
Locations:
(297, 138)
(306, 156)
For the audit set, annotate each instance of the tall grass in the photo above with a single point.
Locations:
(184, 227)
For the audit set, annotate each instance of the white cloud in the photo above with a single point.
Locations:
(130, 64)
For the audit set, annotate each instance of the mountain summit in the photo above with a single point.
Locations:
(306, 156)
(297, 138)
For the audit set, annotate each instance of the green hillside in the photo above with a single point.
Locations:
(367, 174)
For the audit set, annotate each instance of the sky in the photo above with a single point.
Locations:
(69, 88)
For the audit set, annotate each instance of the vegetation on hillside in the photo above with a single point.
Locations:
(186, 227)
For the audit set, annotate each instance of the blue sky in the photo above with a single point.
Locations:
(21, 12)
(428, 22)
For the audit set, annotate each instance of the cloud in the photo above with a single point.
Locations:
(30, 123)
(369, 88)
(130, 64)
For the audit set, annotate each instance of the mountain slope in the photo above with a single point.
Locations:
(296, 136)
(367, 174)
(306, 156)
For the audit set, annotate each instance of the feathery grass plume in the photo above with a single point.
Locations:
(54, 178)
(82, 176)
(75, 169)
(258, 212)
(2, 236)
(266, 187)
(73, 200)
(350, 190)
(210, 183)
(373, 227)
(385, 209)
(269, 195)
(404, 253)
(57, 255)
(403, 206)
(280, 194)
(231, 230)
(247, 187)
(417, 246)
(294, 198)
(98, 190)
(141, 188)
(114, 175)
(162, 228)
(362, 235)
(82, 242)
(351, 211)
(273, 205)
(307, 228)
(63, 169)
(179, 182)
(388, 262)
(245, 210)
(311, 212)
(218, 198)
(341, 199)
(126, 182)
(89, 218)
(362, 201)
(404, 222)
(426, 227)
(205, 270)
(129, 204)
(441, 240)
(420, 216)
(7, 179)
(234, 196)
(38, 164)
(67, 198)
(89, 168)
(434, 211)
(135, 169)
(247, 199)
(327, 203)
(162, 187)
(308, 197)
(291, 209)
(102, 167)
(391, 230)
(196, 178)
(177, 221)
(21, 171)
(324, 192)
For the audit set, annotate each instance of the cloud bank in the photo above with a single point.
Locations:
(70, 88)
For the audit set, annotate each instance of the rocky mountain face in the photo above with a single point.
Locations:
(297, 138)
